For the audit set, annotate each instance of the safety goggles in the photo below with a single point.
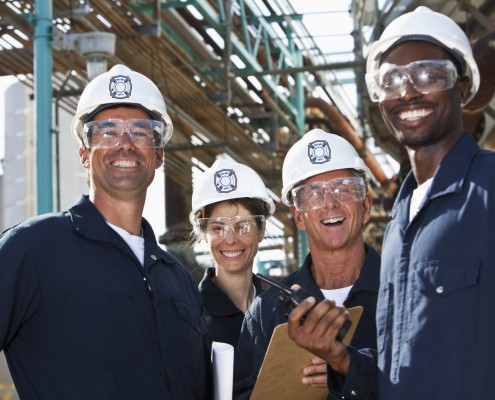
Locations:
(427, 76)
(343, 190)
(107, 134)
(217, 228)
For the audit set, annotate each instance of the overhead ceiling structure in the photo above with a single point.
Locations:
(475, 17)
(241, 78)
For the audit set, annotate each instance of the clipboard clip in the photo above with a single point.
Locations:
(292, 297)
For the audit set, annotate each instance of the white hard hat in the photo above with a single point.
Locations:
(315, 153)
(425, 25)
(120, 85)
(228, 180)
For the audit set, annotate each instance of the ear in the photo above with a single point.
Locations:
(84, 157)
(463, 86)
(159, 157)
(367, 202)
(261, 233)
(299, 220)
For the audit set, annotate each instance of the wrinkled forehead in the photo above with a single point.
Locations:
(329, 175)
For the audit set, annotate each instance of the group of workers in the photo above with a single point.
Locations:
(93, 308)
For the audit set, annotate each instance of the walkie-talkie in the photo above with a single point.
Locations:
(292, 297)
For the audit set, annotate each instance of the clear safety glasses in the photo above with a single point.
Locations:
(106, 134)
(343, 190)
(217, 228)
(426, 76)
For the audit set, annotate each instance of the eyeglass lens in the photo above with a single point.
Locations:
(242, 226)
(343, 190)
(425, 76)
(106, 134)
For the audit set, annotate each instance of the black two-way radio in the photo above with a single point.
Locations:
(293, 297)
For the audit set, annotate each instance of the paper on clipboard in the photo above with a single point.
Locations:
(280, 374)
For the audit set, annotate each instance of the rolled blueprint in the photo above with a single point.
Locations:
(222, 358)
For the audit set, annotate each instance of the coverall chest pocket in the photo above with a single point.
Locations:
(444, 304)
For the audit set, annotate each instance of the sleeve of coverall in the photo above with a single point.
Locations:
(360, 382)
(18, 284)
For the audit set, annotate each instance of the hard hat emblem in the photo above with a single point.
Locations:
(120, 87)
(319, 152)
(225, 181)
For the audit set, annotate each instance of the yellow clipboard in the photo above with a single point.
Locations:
(281, 372)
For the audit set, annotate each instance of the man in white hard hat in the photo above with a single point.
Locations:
(325, 186)
(436, 298)
(92, 307)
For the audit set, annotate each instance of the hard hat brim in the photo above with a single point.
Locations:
(461, 64)
(91, 115)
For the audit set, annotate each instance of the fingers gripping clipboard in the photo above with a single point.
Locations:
(281, 372)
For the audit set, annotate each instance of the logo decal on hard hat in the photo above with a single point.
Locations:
(319, 152)
(120, 87)
(225, 181)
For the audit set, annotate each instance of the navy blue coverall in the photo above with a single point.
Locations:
(224, 319)
(80, 318)
(268, 311)
(435, 320)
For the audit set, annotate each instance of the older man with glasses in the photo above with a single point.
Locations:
(325, 186)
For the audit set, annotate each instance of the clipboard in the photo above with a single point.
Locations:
(280, 374)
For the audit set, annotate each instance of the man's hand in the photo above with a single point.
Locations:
(315, 374)
(318, 332)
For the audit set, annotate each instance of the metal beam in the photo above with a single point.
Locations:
(308, 68)
(482, 19)
(238, 47)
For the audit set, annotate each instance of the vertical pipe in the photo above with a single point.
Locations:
(299, 90)
(43, 102)
(227, 51)
(56, 132)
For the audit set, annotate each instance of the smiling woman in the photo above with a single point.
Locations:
(230, 205)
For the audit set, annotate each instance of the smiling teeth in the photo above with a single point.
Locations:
(333, 220)
(124, 163)
(231, 253)
(414, 114)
